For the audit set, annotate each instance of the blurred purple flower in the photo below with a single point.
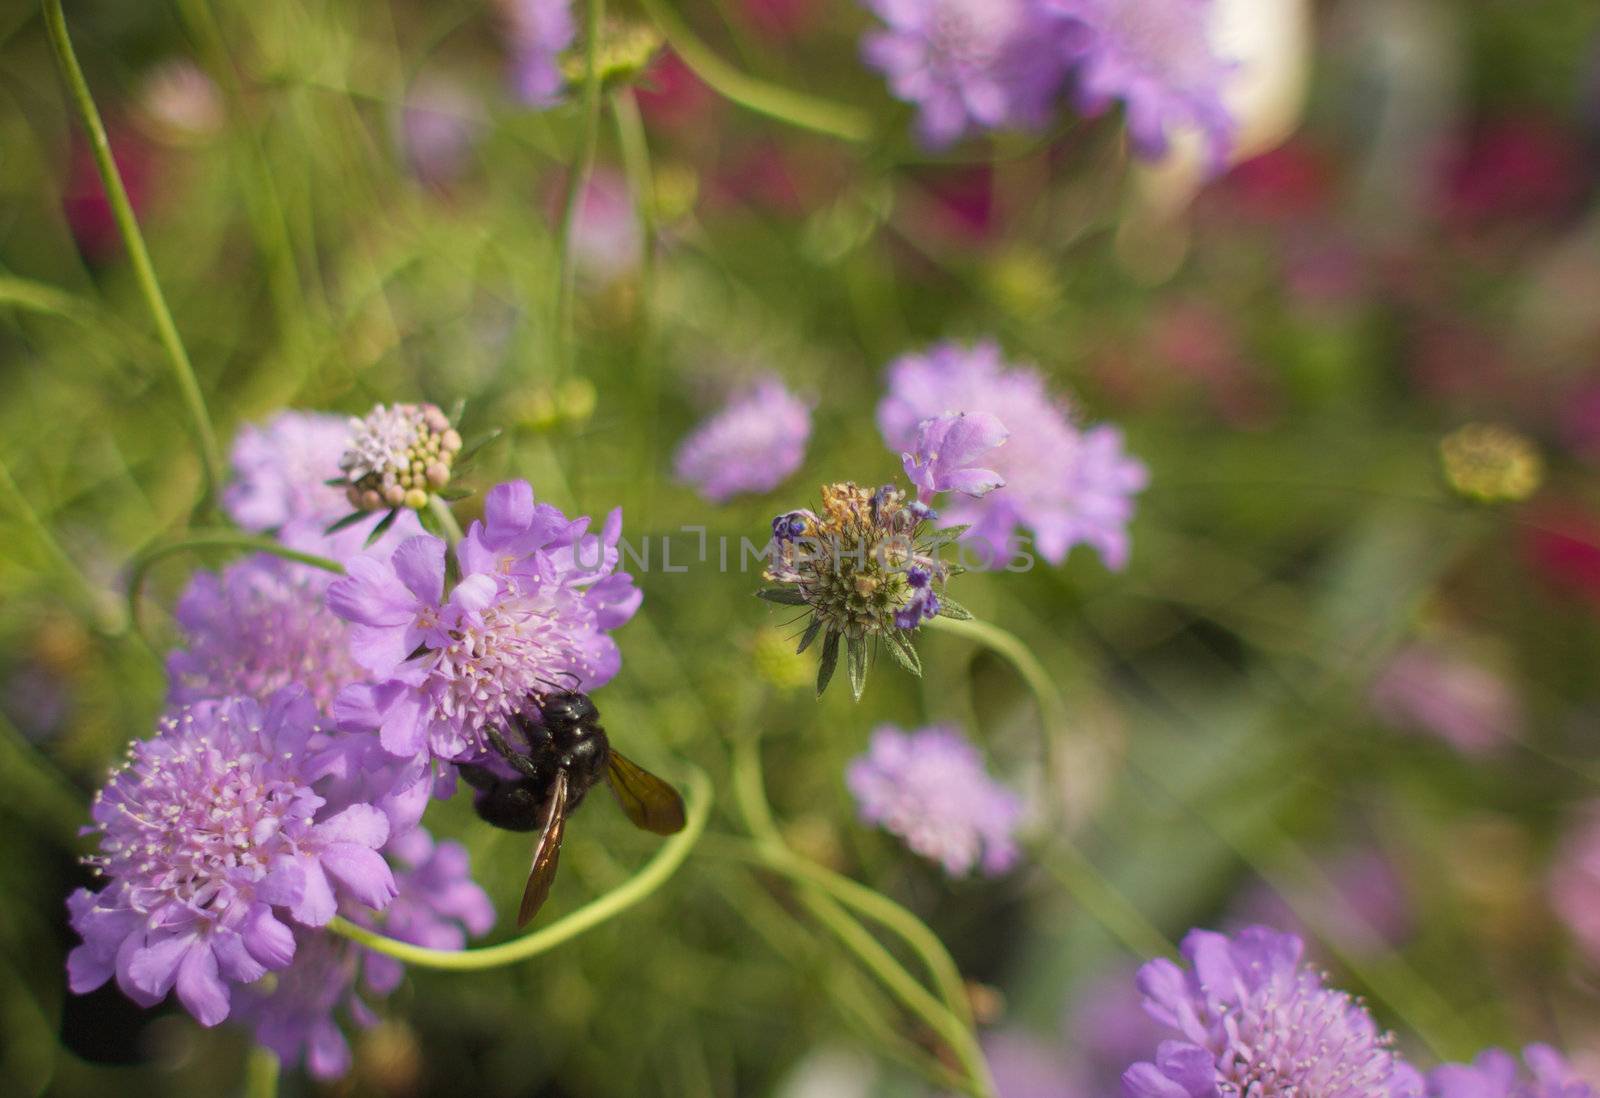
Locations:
(1494, 1075)
(947, 451)
(533, 612)
(1575, 883)
(438, 125)
(211, 836)
(752, 445)
(259, 626)
(1157, 57)
(436, 905)
(1070, 487)
(930, 788)
(1253, 1020)
(606, 244)
(539, 31)
(1024, 1066)
(279, 470)
(1375, 911)
(967, 64)
(1433, 688)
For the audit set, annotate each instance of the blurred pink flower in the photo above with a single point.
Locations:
(605, 236)
(83, 198)
(1520, 168)
(1563, 547)
(438, 126)
(1438, 689)
(1375, 913)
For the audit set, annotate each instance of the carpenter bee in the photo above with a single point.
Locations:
(567, 753)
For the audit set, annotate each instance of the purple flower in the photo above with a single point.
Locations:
(930, 788)
(533, 611)
(606, 243)
(1069, 486)
(259, 626)
(539, 32)
(1575, 883)
(211, 836)
(1251, 1019)
(1375, 912)
(279, 469)
(1494, 1075)
(947, 451)
(436, 905)
(967, 64)
(438, 126)
(923, 603)
(752, 445)
(1156, 56)
(1440, 690)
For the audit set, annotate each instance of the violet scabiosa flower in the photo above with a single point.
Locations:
(1251, 1019)
(211, 837)
(752, 445)
(1157, 57)
(533, 611)
(256, 627)
(1575, 884)
(539, 31)
(866, 568)
(1069, 486)
(1440, 690)
(281, 468)
(929, 787)
(967, 64)
(1494, 1075)
(436, 905)
(398, 456)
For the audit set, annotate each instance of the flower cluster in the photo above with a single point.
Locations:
(398, 456)
(281, 469)
(1001, 64)
(929, 787)
(1250, 1019)
(752, 445)
(215, 841)
(864, 569)
(1494, 1075)
(539, 31)
(1068, 485)
(534, 608)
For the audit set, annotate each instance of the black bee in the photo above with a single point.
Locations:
(567, 753)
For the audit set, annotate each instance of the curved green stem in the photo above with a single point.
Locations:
(138, 256)
(578, 181)
(261, 1073)
(655, 873)
(148, 557)
(1082, 880)
(952, 1022)
(804, 111)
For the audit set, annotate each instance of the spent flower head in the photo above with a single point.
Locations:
(866, 569)
(1249, 1018)
(214, 841)
(1491, 464)
(930, 788)
(398, 456)
(532, 612)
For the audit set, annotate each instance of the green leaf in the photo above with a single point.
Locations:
(900, 647)
(348, 521)
(451, 495)
(856, 658)
(949, 608)
(337, 482)
(470, 450)
(457, 410)
(430, 522)
(783, 596)
(810, 635)
(383, 527)
(830, 660)
(947, 534)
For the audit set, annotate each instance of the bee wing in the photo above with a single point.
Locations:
(649, 802)
(546, 852)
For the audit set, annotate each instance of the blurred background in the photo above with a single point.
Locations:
(1346, 683)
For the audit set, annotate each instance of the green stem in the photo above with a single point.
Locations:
(96, 604)
(635, 150)
(128, 226)
(655, 873)
(577, 182)
(952, 1022)
(447, 519)
(797, 109)
(147, 558)
(1082, 880)
(261, 1073)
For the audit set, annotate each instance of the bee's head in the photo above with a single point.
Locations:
(567, 710)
